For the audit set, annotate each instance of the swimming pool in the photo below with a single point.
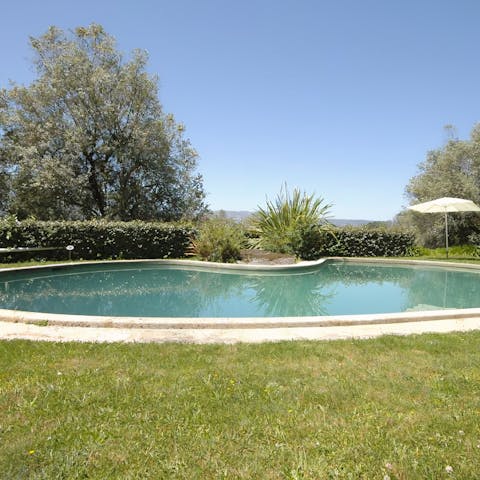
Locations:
(189, 289)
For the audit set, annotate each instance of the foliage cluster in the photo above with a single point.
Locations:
(89, 138)
(219, 240)
(279, 225)
(96, 239)
(474, 239)
(450, 171)
(354, 242)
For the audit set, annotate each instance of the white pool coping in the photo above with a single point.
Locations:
(59, 327)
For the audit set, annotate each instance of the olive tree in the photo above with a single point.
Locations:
(88, 138)
(450, 171)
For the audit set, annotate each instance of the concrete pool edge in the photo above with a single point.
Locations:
(51, 319)
(56, 327)
(16, 331)
(256, 267)
(182, 262)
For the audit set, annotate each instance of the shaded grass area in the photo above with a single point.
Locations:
(439, 258)
(456, 253)
(406, 407)
(450, 259)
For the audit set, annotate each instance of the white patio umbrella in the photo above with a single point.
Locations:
(446, 205)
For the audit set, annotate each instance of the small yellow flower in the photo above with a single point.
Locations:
(31, 452)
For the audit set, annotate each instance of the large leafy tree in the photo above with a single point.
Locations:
(88, 138)
(450, 171)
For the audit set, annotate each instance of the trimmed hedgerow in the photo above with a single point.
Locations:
(95, 239)
(354, 242)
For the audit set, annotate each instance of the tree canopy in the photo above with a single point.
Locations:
(88, 138)
(450, 171)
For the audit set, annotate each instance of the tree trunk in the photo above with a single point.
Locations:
(96, 189)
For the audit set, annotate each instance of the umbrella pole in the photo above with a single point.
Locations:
(446, 232)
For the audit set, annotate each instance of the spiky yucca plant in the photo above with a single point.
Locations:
(280, 224)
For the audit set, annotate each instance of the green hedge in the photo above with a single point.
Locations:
(129, 240)
(354, 242)
(95, 239)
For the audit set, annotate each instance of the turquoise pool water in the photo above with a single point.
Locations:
(155, 290)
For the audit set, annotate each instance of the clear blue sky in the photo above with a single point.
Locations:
(342, 98)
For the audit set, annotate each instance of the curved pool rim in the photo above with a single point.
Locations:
(53, 319)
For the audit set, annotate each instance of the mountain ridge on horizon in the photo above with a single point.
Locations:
(239, 215)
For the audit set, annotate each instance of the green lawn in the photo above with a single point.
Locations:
(406, 407)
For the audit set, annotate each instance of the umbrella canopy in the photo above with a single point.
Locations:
(445, 205)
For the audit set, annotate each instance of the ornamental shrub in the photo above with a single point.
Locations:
(95, 239)
(219, 240)
(278, 227)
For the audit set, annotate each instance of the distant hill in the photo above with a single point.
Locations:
(341, 222)
(239, 215)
